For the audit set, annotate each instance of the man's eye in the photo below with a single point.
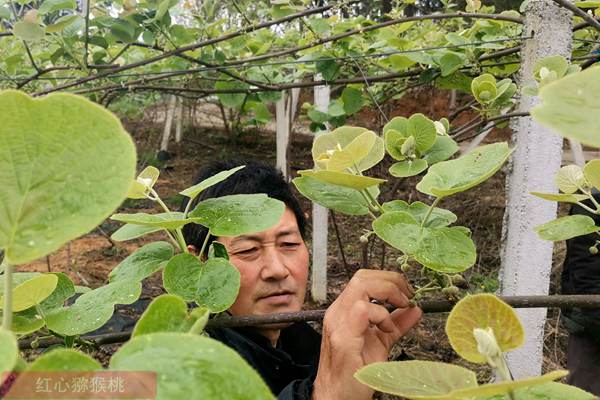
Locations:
(247, 251)
(290, 245)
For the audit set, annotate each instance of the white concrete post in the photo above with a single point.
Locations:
(526, 259)
(285, 112)
(164, 144)
(179, 120)
(577, 150)
(319, 217)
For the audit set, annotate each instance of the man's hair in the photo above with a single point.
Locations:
(255, 177)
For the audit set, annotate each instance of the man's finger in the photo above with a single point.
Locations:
(364, 314)
(378, 289)
(405, 318)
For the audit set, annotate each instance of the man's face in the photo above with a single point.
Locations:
(273, 265)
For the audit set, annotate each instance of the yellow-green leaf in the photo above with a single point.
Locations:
(32, 292)
(591, 172)
(357, 182)
(482, 311)
(569, 179)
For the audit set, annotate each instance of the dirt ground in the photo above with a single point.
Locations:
(89, 259)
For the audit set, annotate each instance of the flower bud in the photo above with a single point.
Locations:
(451, 291)
(593, 250)
(487, 345)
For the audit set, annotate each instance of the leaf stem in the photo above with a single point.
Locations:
(202, 249)
(588, 209)
(431, 208)
(178, 233)
(7, 307)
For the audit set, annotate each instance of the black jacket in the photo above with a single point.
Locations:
(581, 275)
(288, 369)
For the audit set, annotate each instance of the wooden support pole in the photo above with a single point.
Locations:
(164, 144)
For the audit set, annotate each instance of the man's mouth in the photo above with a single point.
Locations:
(279, 297)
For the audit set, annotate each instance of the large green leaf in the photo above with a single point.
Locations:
(195, 190)
(353, 100)
(419, 380)
(505, 387)
(233, 100)
(337, 198)
(418, 210)
(64, 360)
(569, 106)
(358, 182)
(64, 290)
(32, 292)
(213, 284)
(27, 321)
(454, 176)
(342, 159)
(442, 249)
(569, 179)
(9, 351)
(93, 309)
(553, 391)
(238, 214)
(143, 263)
(343, 136)
(170, 220)
(166, 313)
(58, 179)
(567, 227)
(446, 249)
(187, 363)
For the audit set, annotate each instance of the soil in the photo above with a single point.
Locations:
(89, 259)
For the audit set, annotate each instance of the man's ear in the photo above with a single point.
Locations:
(192, 249)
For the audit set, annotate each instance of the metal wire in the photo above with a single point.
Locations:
(289, 62)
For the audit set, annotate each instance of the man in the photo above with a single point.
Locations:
(292, 358)
(581, 275)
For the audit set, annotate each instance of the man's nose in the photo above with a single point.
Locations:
(273, 267)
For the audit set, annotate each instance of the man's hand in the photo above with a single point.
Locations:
(357, 332)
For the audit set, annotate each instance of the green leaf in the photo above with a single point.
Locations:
(342, 137)
(442, 249)
(92, 309)
(213, 284)
(9, 351)
(565, 198)
(408, 168)
(143, 263)
(569, 106)
(64, 290)
(443, 148)
(483, 311)
(232, 100)
(553, 391)
(337, 198)
(328, 68)
(556, 64)
(423, 130)
(27, 321)
(132, 231)
(400, 63)
(195, 190)
(448, 250)
(587, 4)
(187, 363)
(484, 88)
(166, 313)
(352, 154)
(422, 380)
(567, 228)
(143, 183)
(28, 31)
(393, 143)
(358, 182)
(53, 157)
(62, 23)
(454, 176)
(591, 172)
(505, 387)
(64, 360)
(238, 214)
(49, 6)
(170, 220)
(418, 210)
(123, 30)
(353, 100)
(569, 179)
(450, 63)
(217, 250)
(32, 292)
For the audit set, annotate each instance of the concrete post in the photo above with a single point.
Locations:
(527, 260)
